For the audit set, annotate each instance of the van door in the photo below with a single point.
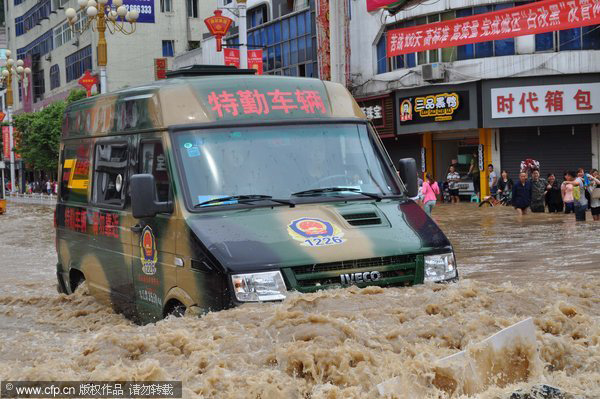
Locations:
(153, 240)
(108, 269)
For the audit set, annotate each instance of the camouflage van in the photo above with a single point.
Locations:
(198, 193)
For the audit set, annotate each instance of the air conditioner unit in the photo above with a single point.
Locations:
(432, 72)
(76, 42)
(49, 57)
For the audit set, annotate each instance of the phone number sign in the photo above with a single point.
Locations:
(144, 7)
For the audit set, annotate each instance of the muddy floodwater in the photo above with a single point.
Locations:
(333, 344)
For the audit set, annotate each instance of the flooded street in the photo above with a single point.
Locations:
(333, 344)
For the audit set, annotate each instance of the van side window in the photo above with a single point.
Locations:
(154, 162)
(75, 177)
(110, 174)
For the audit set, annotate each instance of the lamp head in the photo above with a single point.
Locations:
(20, 63)
(5, 73)
(70, 13)
(82, 3)
(122, 11)
(27, 71)
(19, 69)
(92, 11)
(8, 53)
(10, 62)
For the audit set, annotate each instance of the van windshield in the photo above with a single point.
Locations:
(282, 161)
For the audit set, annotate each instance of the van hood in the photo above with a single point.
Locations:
(265, 238)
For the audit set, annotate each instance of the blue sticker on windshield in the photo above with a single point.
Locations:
(205, 198)
(193, 152)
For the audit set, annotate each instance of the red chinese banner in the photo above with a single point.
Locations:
(255, 61)
(232, 56)
(6, 142)
(160, 68)
(87, 81)
(538, 17)
(323, 44)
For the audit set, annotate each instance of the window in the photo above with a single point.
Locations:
(54, 77)
(257, 16)
(110, 174)
(192, 8)
(289, 44)
(62, 35)
(167, 48)
(75, 172)
(77, 63)
(154, 162)
(166, 5)
(193, 44)
(34, 16)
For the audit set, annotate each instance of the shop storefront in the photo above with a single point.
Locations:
(554, 123)
(446, 120)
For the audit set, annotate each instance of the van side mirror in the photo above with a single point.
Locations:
(143, 197)
(407, 167)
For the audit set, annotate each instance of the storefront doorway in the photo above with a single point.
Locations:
(457, 149)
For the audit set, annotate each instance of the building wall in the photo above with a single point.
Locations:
(130, 57)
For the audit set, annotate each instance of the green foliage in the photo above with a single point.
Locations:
(40, 133)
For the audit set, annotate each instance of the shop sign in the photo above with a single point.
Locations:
(480, 158)
(218, 25)
(440, 107)
(232, 57)
(145, 8)
(549, 100)
(528, 19)
(88, 81)
(6, 141)
(374, 110)
(374, 5)
(423, 159)
(323, 43)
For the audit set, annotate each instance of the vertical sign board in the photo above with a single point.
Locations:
(88, 81)
(255, 61)
(160, 68)
(323, 44)
(6, 142)
(232, 57)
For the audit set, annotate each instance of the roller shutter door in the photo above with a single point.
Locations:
(556, 148)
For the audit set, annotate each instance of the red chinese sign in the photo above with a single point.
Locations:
(247, 102)
(160, 68)
(232, 57)
(570, 99)
(102, 224)
(218, 25)
(88, 81)
(255, 61)
(323, 43)
(2, 116)
(537, 17)
(6, 142)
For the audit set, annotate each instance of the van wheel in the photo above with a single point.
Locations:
(76, 278)
(174, 308)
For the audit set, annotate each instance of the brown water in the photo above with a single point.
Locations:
(334, 344)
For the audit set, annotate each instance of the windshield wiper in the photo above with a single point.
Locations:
(337, 190)
(245, 199)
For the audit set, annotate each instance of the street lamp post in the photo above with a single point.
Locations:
(103, 17)
(21, 74)
(243, 34)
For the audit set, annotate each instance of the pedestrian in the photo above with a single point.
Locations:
(521, 199)
(430, 192)
(594, 190)
(453, 178)
(505, 187)
(474, 172)
(567, 190)
(493, 180)
(48, 187)
(553, 195)
(538, 192)
(579, 191)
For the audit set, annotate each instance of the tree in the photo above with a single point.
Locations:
(40, 133)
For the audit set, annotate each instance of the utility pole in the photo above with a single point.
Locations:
(243, 34)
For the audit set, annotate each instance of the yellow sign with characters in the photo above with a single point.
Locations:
(439, 106)
(78, 177)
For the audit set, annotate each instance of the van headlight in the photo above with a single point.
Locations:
(440, 267)
(255, 287)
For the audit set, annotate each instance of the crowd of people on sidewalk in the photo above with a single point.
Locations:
(48, 187)
(578, 192)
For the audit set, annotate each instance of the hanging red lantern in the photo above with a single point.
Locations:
(218, 25)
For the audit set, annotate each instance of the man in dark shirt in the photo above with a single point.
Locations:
(538, 192)
(522, 194)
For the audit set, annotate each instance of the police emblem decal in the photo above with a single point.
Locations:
(148, 251)
(313, 232)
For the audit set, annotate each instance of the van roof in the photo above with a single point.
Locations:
(208, 99)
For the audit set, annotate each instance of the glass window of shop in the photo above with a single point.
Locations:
(289, 44)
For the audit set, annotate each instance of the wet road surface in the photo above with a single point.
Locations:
(334, 344)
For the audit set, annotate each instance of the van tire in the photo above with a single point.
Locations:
(174, 308)
(76, 278)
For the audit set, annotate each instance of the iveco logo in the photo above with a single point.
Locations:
(356, 278)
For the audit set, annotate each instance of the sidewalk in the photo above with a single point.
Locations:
(39, 199)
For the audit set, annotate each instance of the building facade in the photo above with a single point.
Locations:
(38, 33)
(501, 101)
